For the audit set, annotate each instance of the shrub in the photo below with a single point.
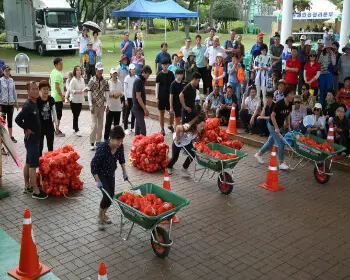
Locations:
(3, 37)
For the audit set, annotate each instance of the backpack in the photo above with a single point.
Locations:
(240, 75)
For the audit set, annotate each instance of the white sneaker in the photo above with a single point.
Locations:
(259, 158)
(92, 148)
(78, 134)
(170, 170)
(185, 172)
(127, 132)
(131, 131)
(283, 166)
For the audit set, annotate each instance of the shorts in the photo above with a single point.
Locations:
(33, 153)
(59, 108)
(7, 111)
(164, 104)
(178, 112)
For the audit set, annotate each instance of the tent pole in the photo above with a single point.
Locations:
(165, 29)
(128, 24)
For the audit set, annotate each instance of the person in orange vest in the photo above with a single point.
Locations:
(218, 73)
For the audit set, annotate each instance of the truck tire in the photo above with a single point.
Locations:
(15, 45)
(41, 49)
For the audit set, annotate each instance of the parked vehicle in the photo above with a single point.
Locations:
(42, 25)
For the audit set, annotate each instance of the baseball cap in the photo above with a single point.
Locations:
(318, 106)
(132, 66)
(188, 40)
(99, 66)
(303, 37)
(126, 32)
(219, 55)
(260, 35)
(320, 41)
(297, 98)
(113, 70)
(308, 43)
(6, 67)
(90, 43)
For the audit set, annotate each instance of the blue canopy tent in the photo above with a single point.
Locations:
(148, 9)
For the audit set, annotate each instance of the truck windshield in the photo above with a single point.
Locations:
(61, 19)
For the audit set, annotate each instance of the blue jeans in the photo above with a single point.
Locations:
(325, 83)
(274, 138)
(236, 88)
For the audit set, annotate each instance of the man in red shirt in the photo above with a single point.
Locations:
(293, 65)
(312, 72)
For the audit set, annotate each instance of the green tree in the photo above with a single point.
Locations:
(338, 3)
(225, 10)
(300, 5)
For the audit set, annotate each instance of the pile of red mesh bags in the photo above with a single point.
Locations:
(149, 153)
(213, 133)
(59, 171)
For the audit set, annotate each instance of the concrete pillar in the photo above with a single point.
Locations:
(287, 19)
(345, 24)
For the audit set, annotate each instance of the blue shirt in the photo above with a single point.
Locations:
(228, 45)
(256, 49)
(199, 52)
(173, 68)
(128, 50)
(92, 55)
(160, 57)
(232, 77)
(104, 162)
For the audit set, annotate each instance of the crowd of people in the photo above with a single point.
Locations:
(283, 85)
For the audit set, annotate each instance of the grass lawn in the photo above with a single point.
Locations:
(111, 42)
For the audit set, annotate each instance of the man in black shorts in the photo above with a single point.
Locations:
(188, 98)
(139, 101)
(28, 119)
(163, 82)
(175, 89)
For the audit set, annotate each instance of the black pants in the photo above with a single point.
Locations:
(263, 127)
(187, 117)
(175, 152)
(7, 111)
(111, 117)
(122, 100)
(90, 71)
(59, 109)
(108, 184)
(210, 79)
(245, 118)
(204, 73)
(76, 109)
(128, 110)
(140, 124)
(49, 132)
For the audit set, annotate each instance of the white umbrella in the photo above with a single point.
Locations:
(92, 25)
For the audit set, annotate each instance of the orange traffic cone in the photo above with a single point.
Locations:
(272, 174)
(102, 272)
(29, 266)
(330, 136)
(166, 182)
(166, 185)
(232, 129)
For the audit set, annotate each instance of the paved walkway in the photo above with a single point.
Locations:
(299, 233)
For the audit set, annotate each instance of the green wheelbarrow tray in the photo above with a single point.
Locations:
(315, 154)
(145, 221)
(215, 164)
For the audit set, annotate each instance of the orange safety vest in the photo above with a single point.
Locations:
(218, 70)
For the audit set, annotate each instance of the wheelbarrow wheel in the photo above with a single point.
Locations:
(321, 177)
(225, 182)
(163, 237)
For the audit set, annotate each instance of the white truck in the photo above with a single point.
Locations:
(42, 25)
